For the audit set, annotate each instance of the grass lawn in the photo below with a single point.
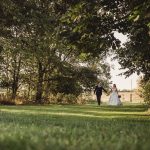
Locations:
(73, 127)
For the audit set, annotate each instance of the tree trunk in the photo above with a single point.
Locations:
(14, 90)
(39, 90)
(46, 90)
(29, 88)
(16, 78)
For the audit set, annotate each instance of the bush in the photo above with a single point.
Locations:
(5, 100)
(70, 99)
(146, 92)
(61, 98)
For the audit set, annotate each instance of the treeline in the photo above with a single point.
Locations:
(59, 47)
(36, 59)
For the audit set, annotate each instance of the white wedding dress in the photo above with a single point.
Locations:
(114, 99)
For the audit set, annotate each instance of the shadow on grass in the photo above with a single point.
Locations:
(23, 127)
(76, 108)
(67, 113)
(129, 111)
(71, 120)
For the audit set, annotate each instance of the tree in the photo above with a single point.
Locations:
(146, 92)
(135, 54)
(11, 64)
(139, 11)
(89, 25)
(63, 39)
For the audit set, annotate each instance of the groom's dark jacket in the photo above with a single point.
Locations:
(98, 90)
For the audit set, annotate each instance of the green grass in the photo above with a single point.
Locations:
(72, 127)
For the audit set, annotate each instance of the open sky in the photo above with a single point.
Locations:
(121, 81)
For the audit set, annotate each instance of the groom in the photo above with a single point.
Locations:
(98, 91)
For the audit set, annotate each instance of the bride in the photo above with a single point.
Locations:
(114, 97)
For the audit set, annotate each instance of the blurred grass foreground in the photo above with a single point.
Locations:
(73, 127)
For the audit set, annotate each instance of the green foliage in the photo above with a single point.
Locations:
(61, 98)
(60, 46)
(67, 86)
(89, 24)
(146, 92)
(5, 83)
(5, 99)
(139, 10)
(135, 55)
(30, 32)
(6, 102)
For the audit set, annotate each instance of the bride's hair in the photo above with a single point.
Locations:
(114, 85)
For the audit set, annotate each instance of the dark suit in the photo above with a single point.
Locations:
(98, 91)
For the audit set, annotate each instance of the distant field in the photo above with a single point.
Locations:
(75, 127)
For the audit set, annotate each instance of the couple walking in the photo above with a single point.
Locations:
(114, 98)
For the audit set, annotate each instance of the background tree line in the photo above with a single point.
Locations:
(50, 47)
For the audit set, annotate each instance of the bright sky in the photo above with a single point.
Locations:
(121, 81)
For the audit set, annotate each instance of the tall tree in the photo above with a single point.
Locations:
(89, 25)
(61, 36)
(135, 55)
